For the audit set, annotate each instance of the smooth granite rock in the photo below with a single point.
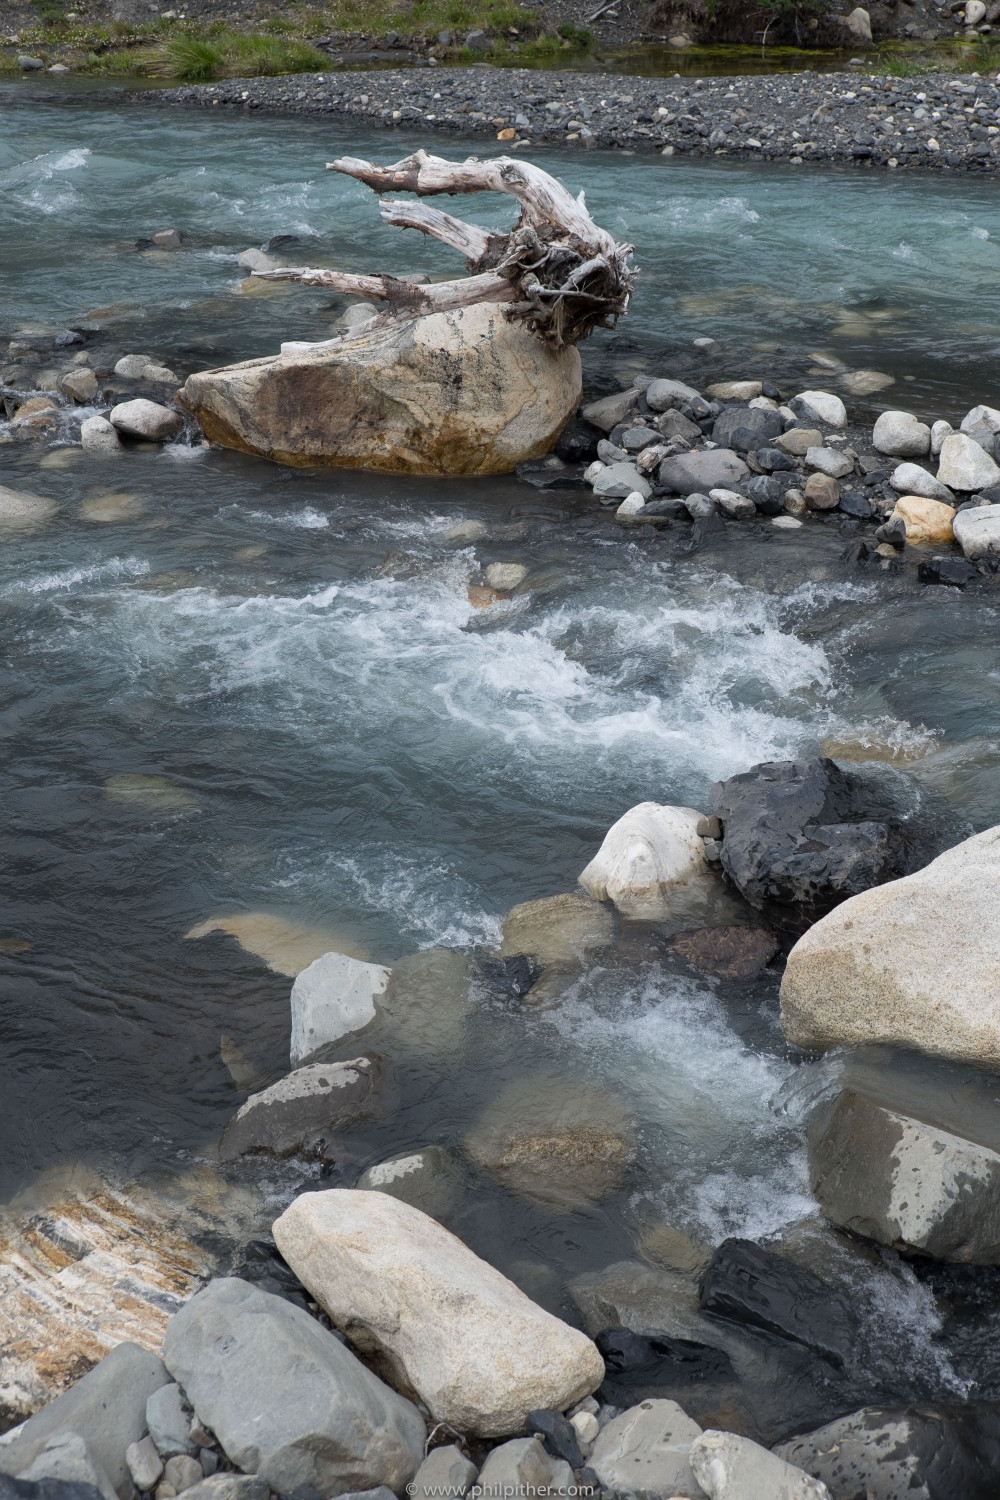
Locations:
(701, 471)
(331, 999)
(650, 854)
(286, 1400)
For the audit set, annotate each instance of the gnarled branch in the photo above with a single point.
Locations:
(557, 270)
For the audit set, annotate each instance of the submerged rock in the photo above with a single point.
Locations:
(463, 392)
(801, 836)
(557, 929)
(556, 1141)
(441, 1321)
(152, 793)
(913, 963)
(650, 853)
(284, 945)
(749, 1284)
(287, 1400)
(905, 1183)
(425, 1004)
(331, 999)
(431, 1179)
(20, 511)
(738, 952)
(298, 1109)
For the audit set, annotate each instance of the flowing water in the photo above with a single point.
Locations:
(219, 698)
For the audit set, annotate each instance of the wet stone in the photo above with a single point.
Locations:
(306, 1105)
(740, 952)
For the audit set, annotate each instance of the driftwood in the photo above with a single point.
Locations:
(556, 271)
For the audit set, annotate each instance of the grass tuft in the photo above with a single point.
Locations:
(191, 60)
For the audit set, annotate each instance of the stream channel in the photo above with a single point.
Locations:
(350, 745)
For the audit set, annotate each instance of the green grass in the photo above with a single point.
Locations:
(904, 67)
(190, 60)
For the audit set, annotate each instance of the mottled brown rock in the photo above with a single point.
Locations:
(821, 492)
(738, 952)
(461, 392)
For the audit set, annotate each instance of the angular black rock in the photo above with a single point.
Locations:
(746, 427)
(558, 1435)
(800, 836)
(954, 571)
(753, 1286)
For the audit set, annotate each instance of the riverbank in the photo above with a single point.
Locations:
(949, 123)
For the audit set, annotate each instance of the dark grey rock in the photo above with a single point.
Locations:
(854, 503)
(905, 1182)
(904, 1453)
(66, 1457)
(893, 532)
(558, 1436)
(634, 439)
(710, 469)
(673, 424)
(107, 1408)
(772, 460)
(767, 493)
(285, 1399)
(953, 571)
(749, 1284)
(746, 427)
(297, 1111)
(699, 505)
(801, 836)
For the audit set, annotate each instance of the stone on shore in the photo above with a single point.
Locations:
(554, 1141)
(523, 1467)
(611, 410)
(903, 1182)
(648, 855)
(745, 427)
(860, 25)
(168, 1422)
(797, 441)
(801, 836)
(286, 1400)
(902, 435)
(820, 406)
(144, 1463)
(445, 1474)
(738, 507)
(822, 492)
(977, 531)
(926, 521)
(618, 481)
(712, 469)
(981, 416)
(912, 963)
(830, 462)
(462, 392)
(294, 1113)
(106, 1408)
(21, 512)
(911, 479)
(331, 999)
(647, 1451)
(67, 1460)
(97, 435)
(560, 929)
(964, 466)
(225, 1486)
(663, 395)
(146, 419)
(477, 1351)
(729, 1467)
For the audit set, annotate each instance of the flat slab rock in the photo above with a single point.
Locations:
(306, 1104)
(913, 1186)
(729, 1467)
(912, 963)
(439, 1320)
(287, 1400)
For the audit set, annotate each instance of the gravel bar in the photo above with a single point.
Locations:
(944, 122)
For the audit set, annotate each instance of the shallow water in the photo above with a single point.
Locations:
(224, 700)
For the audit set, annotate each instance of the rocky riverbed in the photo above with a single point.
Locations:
(944, 122)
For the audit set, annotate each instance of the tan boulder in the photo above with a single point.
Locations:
(912, 963)
(461, 392)
(433, 1317)
(557, 929)
(925, 520)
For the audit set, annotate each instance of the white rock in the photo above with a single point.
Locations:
(820, 406)
(829, 461)
(146, 419)
(939, 431)
(786, 523)
(332, 998)
(505, 576)
(763, 403)
(619, 480)
(912, 963)
(733, 1468)
(144, 1463)
(661, 395)
(649, 854)
(902, 435)
(256, 260)
(477, 1351)
(592, 470)
(631, 505)
(144, 367)
(977, 531)
(975, 11)
(740, 507)
(610, 410)
(646, 1451)
(98, 436)
(964, 465)
(859, 23)
(356, 314)
(911, 479)
(586, 1425)
(981, 416)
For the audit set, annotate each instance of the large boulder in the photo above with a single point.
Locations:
(801, 836)
(906, 1183)
(964, 465)
(652, 852)
(286, 1400)
(442, 1322)
(462, 392)
(912, 963)
(107, 1408)
(901, 435)
(977, 531)
(904, 1453)
(555, 1141)
(303, 1106)
(332, 998)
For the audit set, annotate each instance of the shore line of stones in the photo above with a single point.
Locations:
(950, 123)
(740, 451)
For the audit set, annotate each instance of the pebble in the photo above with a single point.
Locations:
(896, 123)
